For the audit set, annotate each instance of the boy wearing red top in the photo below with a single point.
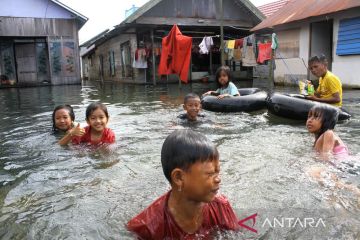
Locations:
(191, 209)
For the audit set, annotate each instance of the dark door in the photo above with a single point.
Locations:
(322, 40)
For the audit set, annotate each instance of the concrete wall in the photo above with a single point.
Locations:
(113, 44)
(346, 67)
(33, 9)
(289, 70)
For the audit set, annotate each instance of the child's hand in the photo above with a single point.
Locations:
(222, 96)
(77, 131)
(207, 93)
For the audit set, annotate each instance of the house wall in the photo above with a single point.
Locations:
(113, 44)
(290, 68)
(346, 67)
(61, 34)
(33, 9)
(207, 10)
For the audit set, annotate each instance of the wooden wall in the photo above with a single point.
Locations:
(64, 31)
(104, 49)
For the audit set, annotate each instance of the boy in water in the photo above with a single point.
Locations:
(192, 106)
(192, 207)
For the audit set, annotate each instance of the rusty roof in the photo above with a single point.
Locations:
(270, 8)
(301, 9)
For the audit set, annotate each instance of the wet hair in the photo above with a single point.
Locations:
(220, 70)
(319, 59)
(184, 148)
(190, 96)
(93, 107)
(66, 107)
(328, 116)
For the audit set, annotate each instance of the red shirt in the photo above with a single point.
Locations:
(176, 54)
(265, 52)
(156, 221)
(108, 136)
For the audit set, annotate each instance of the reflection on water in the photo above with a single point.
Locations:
(50, 192)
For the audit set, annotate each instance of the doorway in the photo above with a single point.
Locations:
(321, 40)
(25, 57)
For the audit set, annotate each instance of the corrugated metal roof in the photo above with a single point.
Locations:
(300, 9)
(270, 8)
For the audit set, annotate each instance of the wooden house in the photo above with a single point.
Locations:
(39, 43)
(111, 57)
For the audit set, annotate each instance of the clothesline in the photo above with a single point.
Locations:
(214, 36)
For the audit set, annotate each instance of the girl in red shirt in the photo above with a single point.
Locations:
(96, 132)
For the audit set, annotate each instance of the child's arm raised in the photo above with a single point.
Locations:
(76, 131)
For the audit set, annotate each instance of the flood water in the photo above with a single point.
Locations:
(53, 192)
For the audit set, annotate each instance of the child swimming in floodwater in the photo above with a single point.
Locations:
(63, 119)
(226, 87)
(192, 208)
(97, 118)
(192, 106)
(97, 132)
(321, 122)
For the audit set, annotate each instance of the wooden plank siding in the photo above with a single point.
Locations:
(65, 30)
(35, 27)
(112, 45)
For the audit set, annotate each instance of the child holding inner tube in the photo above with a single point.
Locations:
(192, 207)
(330, 88)
(192, 106)
(226, 87)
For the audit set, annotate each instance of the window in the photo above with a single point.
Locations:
(112, 63)
(349, 37)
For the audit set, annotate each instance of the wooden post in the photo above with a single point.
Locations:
(190, 78)
(271, 68)
(211, 61)
(153, 57)
(222, 33)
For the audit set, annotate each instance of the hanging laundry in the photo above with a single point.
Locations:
(249, 57)
(265, 52)
(140, 58)
(231, 44)
(205, 45)
(176, 54)
(237, 54)
(230, 54)
(226, 49)
(274, 42)
(239, 43)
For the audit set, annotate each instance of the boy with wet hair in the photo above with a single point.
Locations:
(192, 208)
(192, 106)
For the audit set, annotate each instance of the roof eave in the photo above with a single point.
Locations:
(79, 17)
